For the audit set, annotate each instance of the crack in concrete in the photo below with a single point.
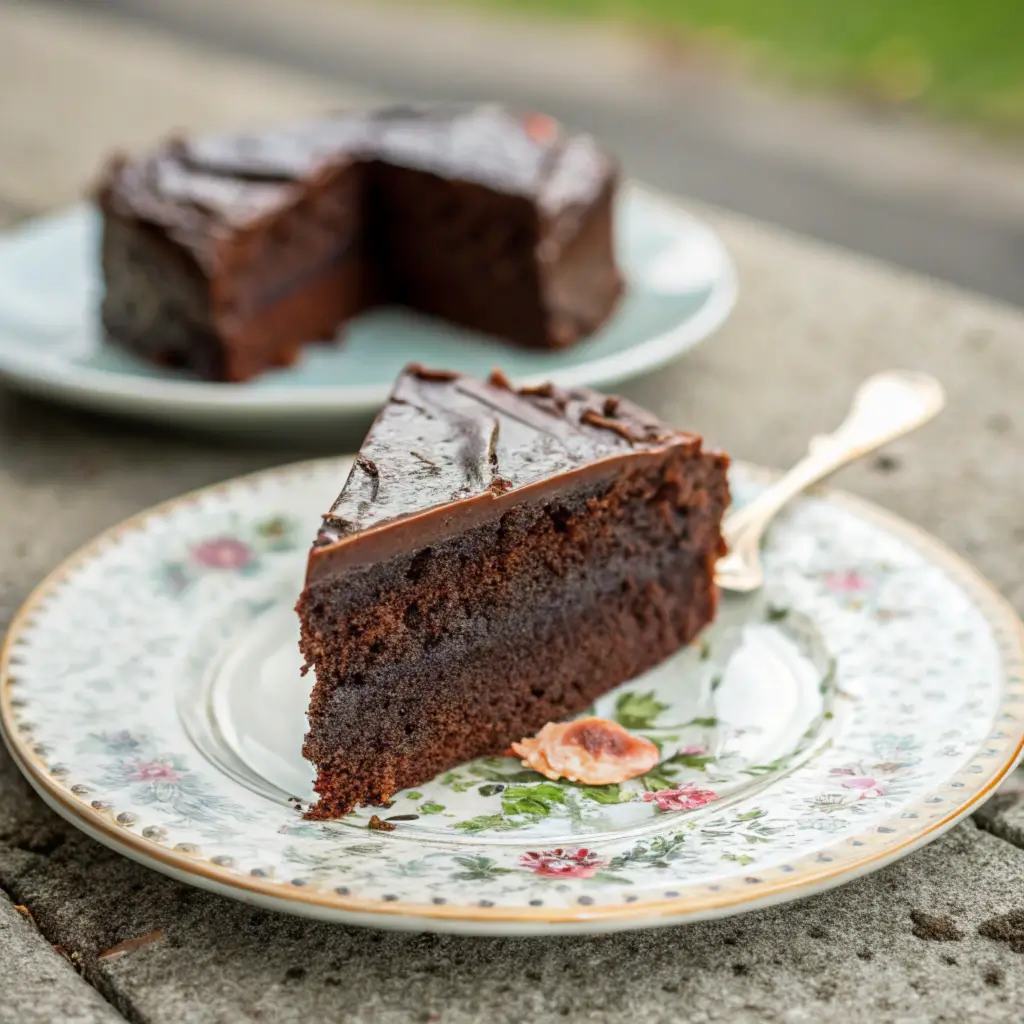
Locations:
(19, 899)
(992, 819)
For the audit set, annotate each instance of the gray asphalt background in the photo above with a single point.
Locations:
(895, 186)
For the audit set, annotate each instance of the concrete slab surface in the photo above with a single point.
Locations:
(937, 937)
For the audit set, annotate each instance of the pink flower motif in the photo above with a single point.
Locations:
(559, 863)
(687, 797)
(697, 750)
(153, 771)
(868, 788)
(222, 553)
(848, 582)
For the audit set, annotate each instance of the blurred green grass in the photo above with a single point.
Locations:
(961, 58)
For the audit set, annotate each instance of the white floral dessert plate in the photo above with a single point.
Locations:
(680, 287)
(867, 700)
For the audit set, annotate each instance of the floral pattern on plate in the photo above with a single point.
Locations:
(920, 713)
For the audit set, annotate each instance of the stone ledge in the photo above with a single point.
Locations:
(41, 985)
(1003, 815)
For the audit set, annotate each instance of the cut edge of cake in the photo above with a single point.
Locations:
(226, 255)
(497, 559)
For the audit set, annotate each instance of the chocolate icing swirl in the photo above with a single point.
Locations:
(448, 448)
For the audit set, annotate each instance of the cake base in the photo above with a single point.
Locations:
(455, 650)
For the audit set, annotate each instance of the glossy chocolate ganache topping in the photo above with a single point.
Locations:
(447, 451)
(190, 187)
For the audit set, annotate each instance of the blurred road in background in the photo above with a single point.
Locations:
(897, 187)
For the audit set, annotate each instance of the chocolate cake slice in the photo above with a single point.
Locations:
(496, 560)
(224, 255)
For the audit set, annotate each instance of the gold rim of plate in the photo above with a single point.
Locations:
(812, 873)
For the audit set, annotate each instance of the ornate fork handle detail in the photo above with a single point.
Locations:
(885, 407)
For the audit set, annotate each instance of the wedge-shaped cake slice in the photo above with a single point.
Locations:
(496, 560)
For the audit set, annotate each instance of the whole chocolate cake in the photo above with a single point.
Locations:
(496, 560)
(225, 255)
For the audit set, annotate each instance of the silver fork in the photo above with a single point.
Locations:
(886, 406)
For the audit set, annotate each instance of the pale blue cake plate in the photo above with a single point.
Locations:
(680, 287)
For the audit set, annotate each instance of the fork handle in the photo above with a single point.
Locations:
(886, 406)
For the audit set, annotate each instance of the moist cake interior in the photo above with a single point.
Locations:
(457, 601)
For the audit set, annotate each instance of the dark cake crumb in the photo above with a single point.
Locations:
(369, 467)
(934, 927)
(430, 373)
(1008, 928)
(377, 825)
(595, 419)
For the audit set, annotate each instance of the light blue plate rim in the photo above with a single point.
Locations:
(49, 375)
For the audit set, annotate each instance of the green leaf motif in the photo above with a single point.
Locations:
(277, 526)
(363, 849)
(656, 853)
(638, 710)
(742, 859)
(521, 806)
(455, 782)
(431, 808)
(488, 822)
(490, 789)
(699, 762)
(829, 678)
(479, 869)
(538, 800)
(492, 775)
(610, 879)
(702, 723)
(655, 780)
(602, 794)
(526, 775)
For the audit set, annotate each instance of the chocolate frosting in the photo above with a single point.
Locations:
(448, 451)
(196, 189)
